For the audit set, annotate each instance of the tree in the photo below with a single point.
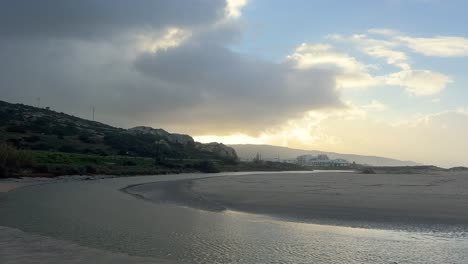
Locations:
(13, 160)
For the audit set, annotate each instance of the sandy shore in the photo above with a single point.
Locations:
(10, 184)
(401, 198)
(7, 185)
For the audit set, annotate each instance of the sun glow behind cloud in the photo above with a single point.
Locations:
(353, 131)
(171, 37)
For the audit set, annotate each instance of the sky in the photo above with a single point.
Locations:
(381, 77)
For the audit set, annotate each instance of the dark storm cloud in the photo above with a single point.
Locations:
(238, 90)
(74, 54)
(101, 18)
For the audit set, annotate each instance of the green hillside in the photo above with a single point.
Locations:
(59, 143)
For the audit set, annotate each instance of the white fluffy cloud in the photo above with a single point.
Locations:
(377, 48)
(350, 72)
(440, 46)
(419, 82)
(415, 81)
(233, 8)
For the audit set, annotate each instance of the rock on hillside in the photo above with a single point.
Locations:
(170, 137)
(219, 149)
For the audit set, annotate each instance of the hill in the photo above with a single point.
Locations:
(268, 152)
(27, 127)
(65, 144)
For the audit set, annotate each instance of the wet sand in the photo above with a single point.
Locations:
(10, 184)
(7, 185)
(439, 198)
(20, 247)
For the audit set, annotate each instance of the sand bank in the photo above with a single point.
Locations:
(402, 198)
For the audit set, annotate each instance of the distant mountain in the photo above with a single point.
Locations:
(268, 152)
(28, 127)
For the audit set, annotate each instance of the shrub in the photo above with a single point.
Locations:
(16, 129)
(14, 142)
(68, 148)
(129, 163)
(40, 146)
(31, 139)
(90, 169)
(368, 171)
(41, 169)
(206, 166)
(85, 138)
(59, 170)
(13, 160)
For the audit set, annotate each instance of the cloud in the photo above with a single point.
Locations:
(172, 37)
(350, 72)
(419, 82)
(160, 63)
(377, 48)
(233, 8)
(101, 19)
(375, 105)
(440, 46)
(383, 31)
(392, 57)
(414, 81)
(435, 139)
(430, 138)
(304, 131)
(437, 46)
(248, 92)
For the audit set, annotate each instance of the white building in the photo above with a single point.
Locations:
(321, 161)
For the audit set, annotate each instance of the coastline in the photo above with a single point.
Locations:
(11, 184)
(353, 199)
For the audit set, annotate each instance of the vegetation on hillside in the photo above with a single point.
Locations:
(27, 127)
(42, 142)
(12, 161)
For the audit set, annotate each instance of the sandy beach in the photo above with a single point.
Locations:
(440, 198)
(10, 184)
(7, 185)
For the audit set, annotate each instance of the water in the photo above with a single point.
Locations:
(96, 214)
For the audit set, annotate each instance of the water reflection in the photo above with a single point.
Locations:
(96, 214)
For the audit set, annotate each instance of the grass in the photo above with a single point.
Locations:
(49, 157)
(13, 161)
